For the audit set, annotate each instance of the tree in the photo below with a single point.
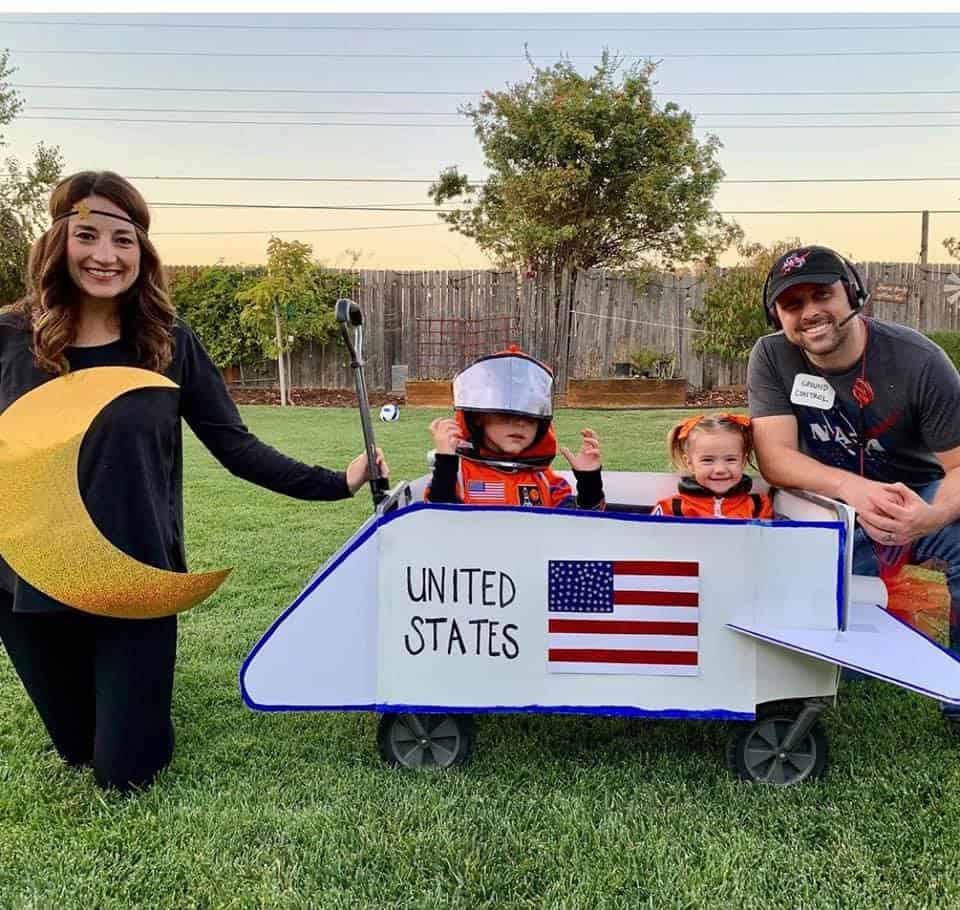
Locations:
(587, 171)
(293, 301)
(732, 316)
(952, 245)
(23, 194)
(208, 303)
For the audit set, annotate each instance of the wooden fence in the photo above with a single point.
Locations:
(613, 315)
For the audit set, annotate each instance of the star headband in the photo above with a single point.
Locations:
(84, 211)
(688, 425)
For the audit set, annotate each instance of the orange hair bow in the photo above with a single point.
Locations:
(689, 424)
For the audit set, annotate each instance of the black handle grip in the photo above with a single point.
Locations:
(348, 312)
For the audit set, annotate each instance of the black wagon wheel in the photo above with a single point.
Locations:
(757, 753)
(425, 740)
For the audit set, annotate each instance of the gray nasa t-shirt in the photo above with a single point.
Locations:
(915, 411)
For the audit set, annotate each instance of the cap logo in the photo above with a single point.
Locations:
(794, 261)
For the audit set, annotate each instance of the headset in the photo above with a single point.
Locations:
(857, 292)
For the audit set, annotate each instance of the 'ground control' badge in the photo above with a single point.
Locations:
(812, 392)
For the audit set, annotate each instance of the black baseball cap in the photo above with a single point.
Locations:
(804, 265)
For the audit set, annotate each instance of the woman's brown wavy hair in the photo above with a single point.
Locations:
(50, 305)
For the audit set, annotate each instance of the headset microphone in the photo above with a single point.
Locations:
(846, 319)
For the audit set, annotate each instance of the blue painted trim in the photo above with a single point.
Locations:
(916, 631)
(904, 684)
(842, 578)
(601, 710)
(607, 516)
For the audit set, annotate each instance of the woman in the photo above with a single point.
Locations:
(97, 298)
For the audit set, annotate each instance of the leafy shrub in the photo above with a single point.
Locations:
(950, 342)
(651, 362)
(208, 304)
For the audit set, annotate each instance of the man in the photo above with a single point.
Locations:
(859, 410)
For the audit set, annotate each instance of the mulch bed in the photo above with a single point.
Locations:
(343, 398)
(717, 398)
(317, 398)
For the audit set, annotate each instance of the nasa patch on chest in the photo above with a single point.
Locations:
(529, 494)
(812, 392)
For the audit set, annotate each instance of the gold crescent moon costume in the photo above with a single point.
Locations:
(47, 535)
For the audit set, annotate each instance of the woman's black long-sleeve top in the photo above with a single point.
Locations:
(131, 460)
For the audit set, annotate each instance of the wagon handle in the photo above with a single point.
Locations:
(348, 312)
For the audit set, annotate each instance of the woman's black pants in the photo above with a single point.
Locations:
(102, 687)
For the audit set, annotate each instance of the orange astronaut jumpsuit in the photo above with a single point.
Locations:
(695, 501)
(473, 480)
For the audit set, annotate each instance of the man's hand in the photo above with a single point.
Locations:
(873, 503)
(589, 458)
(446, 435)
(913, 516)
(890, 513)
(358, 473)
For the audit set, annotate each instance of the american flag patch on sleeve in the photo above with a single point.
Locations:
(486, 491)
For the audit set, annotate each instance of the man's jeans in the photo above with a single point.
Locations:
(943, 546)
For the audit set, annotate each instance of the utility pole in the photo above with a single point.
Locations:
(924, 246)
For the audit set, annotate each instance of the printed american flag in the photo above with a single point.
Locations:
(623, 616)
(486, 490)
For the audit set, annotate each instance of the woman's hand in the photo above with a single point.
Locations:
(358, 473)
(589, 458)
(446, 435)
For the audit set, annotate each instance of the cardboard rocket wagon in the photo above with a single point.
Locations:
(433, 613)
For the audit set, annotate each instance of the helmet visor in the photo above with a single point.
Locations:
(505, 384)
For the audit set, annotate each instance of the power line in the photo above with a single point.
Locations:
(455, 126)
(293, 179)
(840, 212)
(427, 180)
(466, 126)
(323, 208)
(518, 56)
(260, 110)
(423, 181)
(804, 93)
(376, 227)
(301, 91)
(843, 180)
(239, 91)
(822, 126)
(486, 28)
(821, 113)
(403, 113)
(373, 208)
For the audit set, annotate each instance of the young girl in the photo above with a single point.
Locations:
(713, 450)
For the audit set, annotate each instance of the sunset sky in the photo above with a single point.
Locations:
(390, 112)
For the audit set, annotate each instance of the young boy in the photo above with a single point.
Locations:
(498, 447)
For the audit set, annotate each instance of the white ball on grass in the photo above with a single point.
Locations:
(389, 413)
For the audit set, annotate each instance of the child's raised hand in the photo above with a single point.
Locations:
(589, 458)
(446, 435)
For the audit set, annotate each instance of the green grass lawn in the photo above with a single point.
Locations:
(296, 811)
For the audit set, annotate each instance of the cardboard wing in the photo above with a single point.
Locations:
(874, 642)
